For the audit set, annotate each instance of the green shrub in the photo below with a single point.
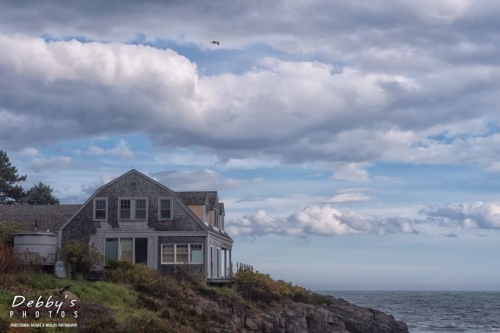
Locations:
(262, 288)
(8, 229)
(42, 281)
(6, 297)
(81, 256)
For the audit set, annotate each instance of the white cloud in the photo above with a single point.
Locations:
(350, 195)
(121, 149)
(29, 152)
(477, 215)
(352, 172)
(51, 163)
(315, 220)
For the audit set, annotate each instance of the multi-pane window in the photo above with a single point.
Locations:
(181, 254)
(133, 209)
(168, 253)
(100, 209)
(165, 209)
(140, 209)
(124, 209)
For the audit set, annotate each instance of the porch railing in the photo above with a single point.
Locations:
(229, 271)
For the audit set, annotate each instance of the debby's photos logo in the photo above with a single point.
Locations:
(40, 312)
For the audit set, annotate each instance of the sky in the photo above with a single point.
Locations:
(354, 143)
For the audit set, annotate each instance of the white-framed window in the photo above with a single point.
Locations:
(100, 209)
(181, 254)
(132, 209)
(165, 209)
(216, 218)
(131, 250)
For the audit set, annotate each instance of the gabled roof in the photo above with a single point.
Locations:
(193, 197)
(199, 198)
(171, 192)
(48, 217)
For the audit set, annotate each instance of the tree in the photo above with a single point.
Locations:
(41, 194)
(10, 193)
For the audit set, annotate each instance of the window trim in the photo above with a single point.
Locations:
(133, 209)
(171, 209)
(175, 254)
(105, 209)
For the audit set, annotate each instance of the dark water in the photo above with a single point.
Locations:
(433, 311)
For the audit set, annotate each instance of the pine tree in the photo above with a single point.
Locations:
(10, 193)
(41, 194)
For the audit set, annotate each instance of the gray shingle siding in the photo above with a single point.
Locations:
(82, 225)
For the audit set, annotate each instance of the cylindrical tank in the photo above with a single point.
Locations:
(61, 269)
(36, 247)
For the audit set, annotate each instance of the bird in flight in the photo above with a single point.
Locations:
(215, 42)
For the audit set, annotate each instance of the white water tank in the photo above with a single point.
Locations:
(36, 247)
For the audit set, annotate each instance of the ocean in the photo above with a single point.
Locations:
(433, 311)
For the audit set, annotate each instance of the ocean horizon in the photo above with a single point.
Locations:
(430, 311)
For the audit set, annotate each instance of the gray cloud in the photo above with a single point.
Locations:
(450, 235)
(477, 215)
(196, 180)
(390, 77)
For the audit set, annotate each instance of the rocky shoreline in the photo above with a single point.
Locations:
(338, 317)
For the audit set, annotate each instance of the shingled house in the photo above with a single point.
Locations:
(136, 219)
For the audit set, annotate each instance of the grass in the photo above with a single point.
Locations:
(135, 298)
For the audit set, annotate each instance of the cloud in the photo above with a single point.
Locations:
(352, 172)
(196, 180)
(29, 152)
(316, 220)
(477, 215)
(121, 149)
(350, 195)
(354, 87)
(325, 220)
(51, 163)
(450, 235)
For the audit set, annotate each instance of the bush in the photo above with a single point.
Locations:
(7, 231)
(259, 287)
(81, 256)
(8, 262)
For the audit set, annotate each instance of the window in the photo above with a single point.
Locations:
(165, 209)
(167, 254)
(196, 254)
(133, 209)
(100, 209)
(216, 218)
(131, 250)
(181, 254)
(207, 211)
